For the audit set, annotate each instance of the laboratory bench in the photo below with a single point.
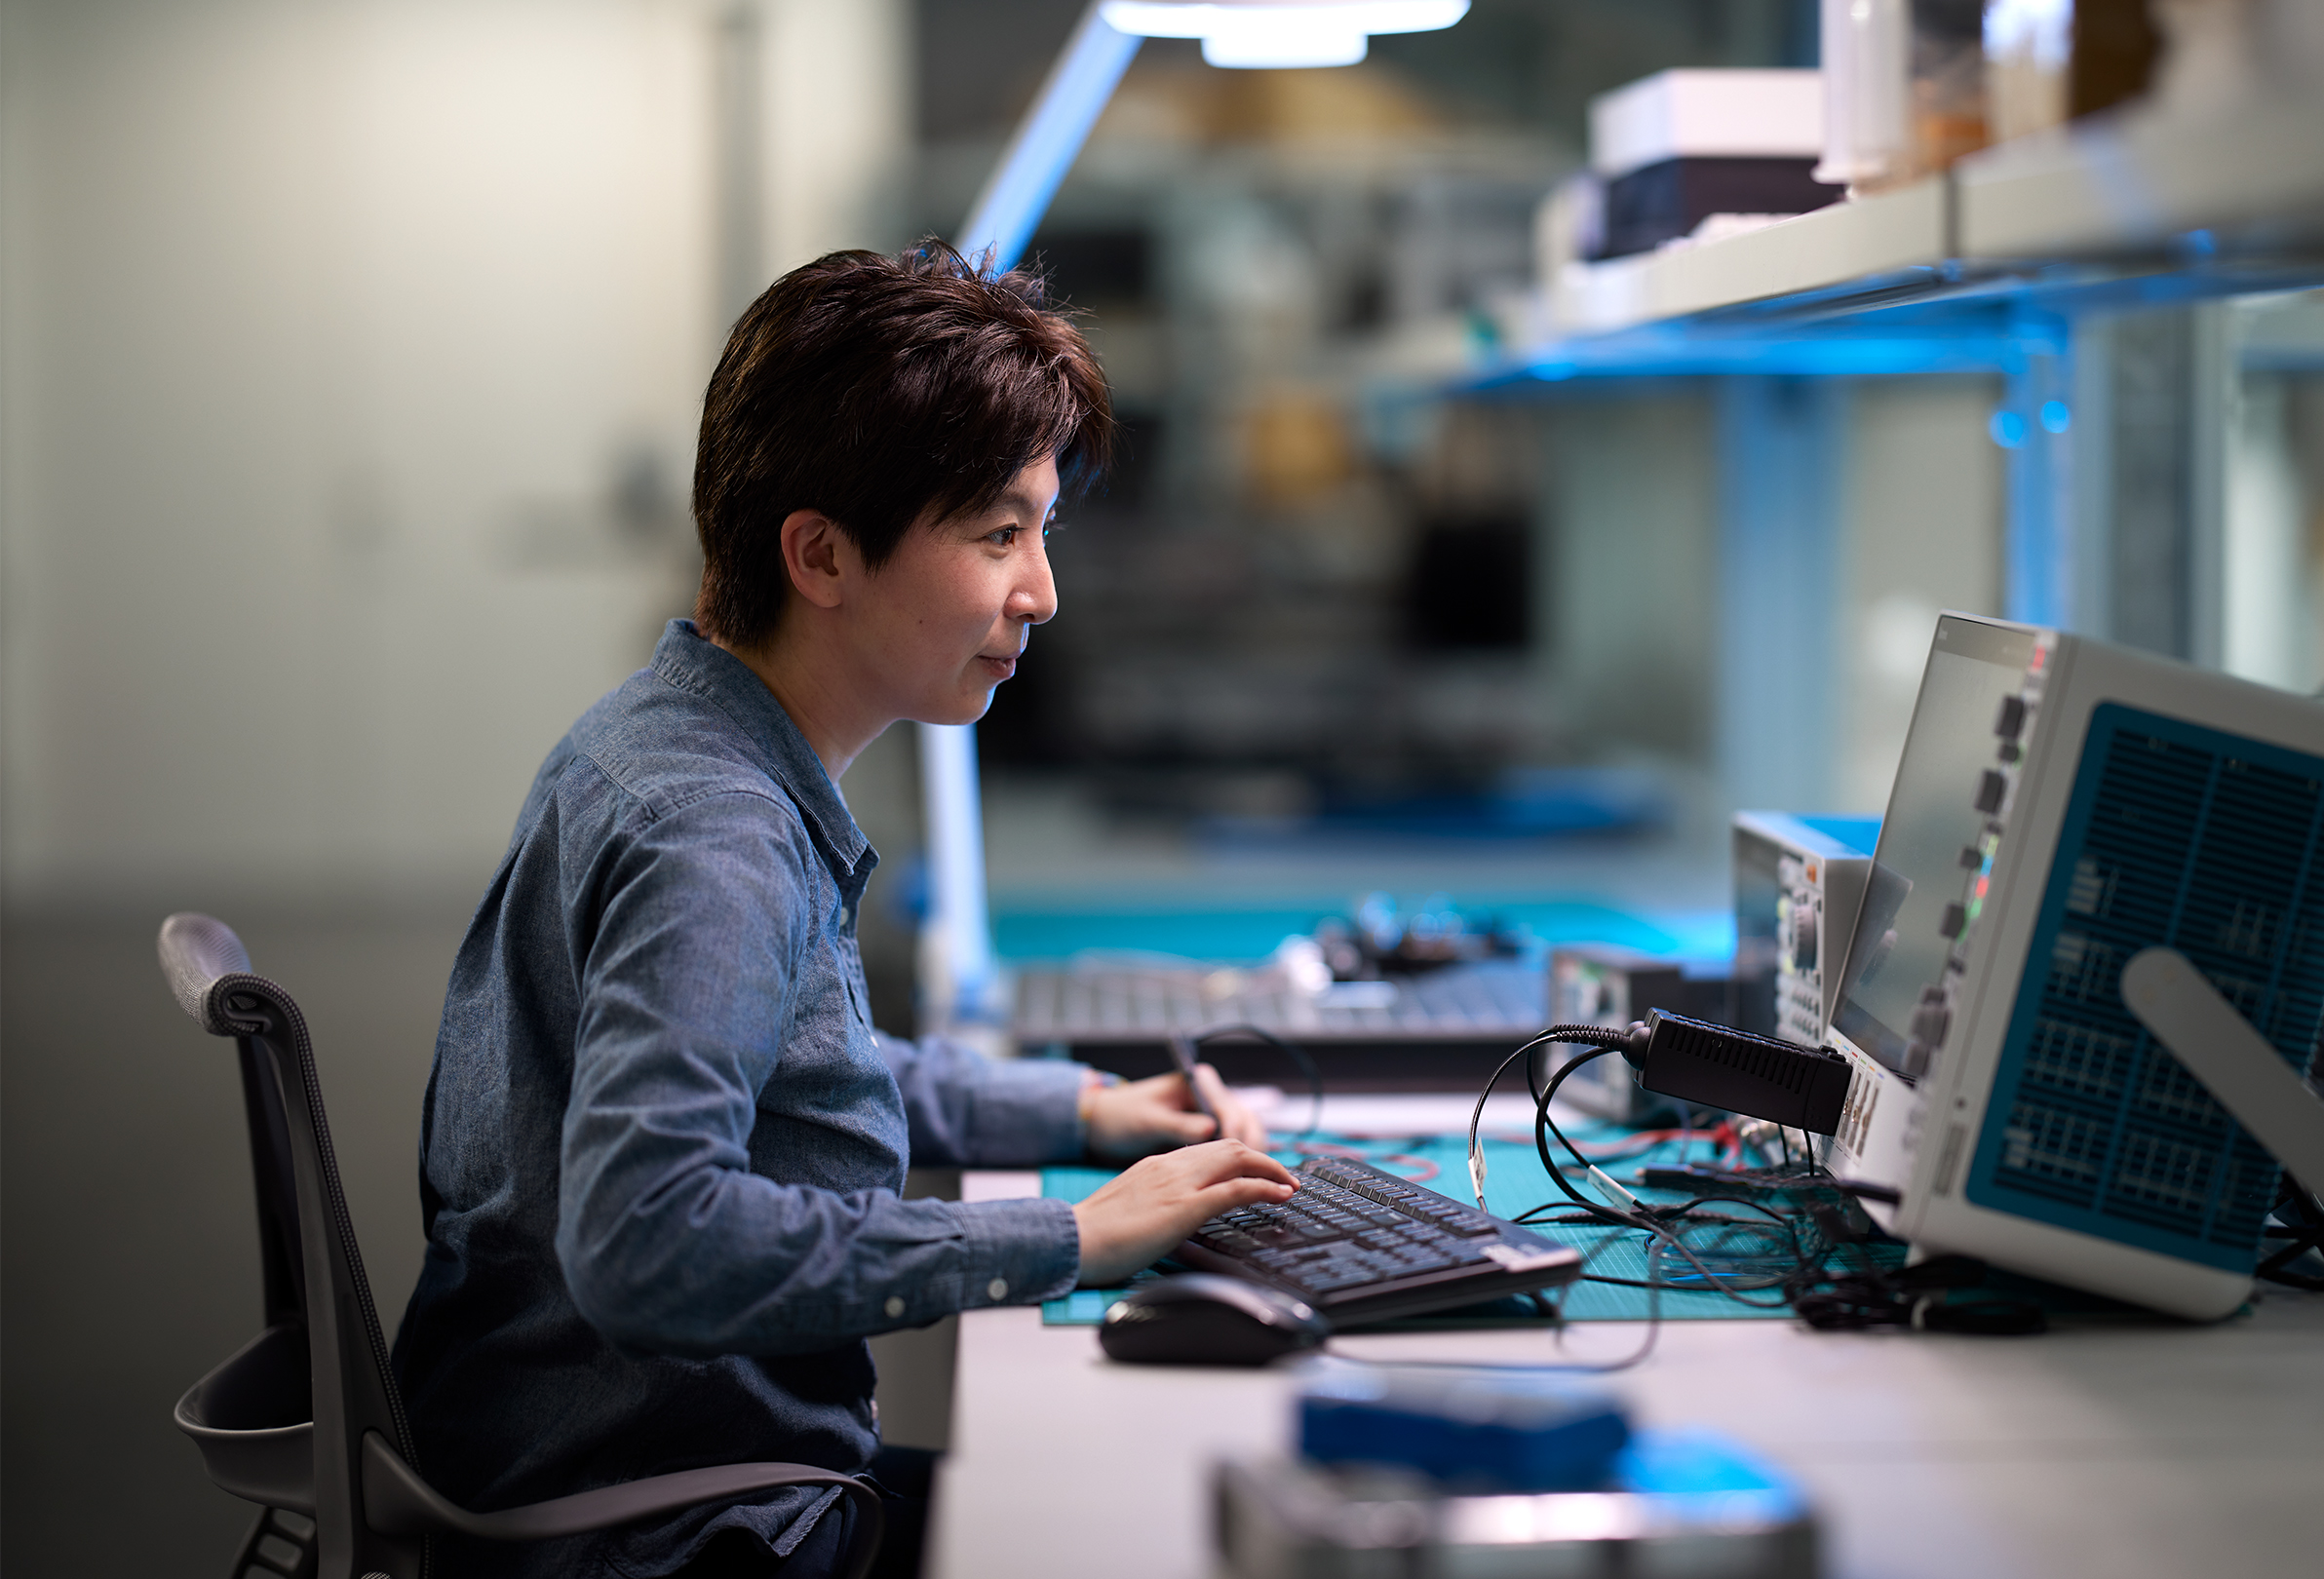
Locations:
(2125, 1450)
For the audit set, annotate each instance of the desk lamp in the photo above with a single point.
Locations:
(955, 954)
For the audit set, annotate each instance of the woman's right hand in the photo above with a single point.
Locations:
(1145, 1211)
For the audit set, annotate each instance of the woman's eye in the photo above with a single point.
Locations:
(1006, 537)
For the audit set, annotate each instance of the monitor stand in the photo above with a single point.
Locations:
(2250, 1078)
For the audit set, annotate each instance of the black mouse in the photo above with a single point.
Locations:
(1200, 1320)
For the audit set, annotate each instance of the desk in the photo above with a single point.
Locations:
(2164, 1451)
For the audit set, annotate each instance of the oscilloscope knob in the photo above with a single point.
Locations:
(1804, 938)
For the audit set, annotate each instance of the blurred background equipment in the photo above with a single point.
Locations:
(1383, 1001)
(1679, 147)
(1599, 984)
(1797, 883)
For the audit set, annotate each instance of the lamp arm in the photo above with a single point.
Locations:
(2219, 1046)
(956, 971)
(1049, 138)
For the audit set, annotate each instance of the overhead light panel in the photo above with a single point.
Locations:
(1278, 33)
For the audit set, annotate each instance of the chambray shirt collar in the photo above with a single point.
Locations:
(692, 663)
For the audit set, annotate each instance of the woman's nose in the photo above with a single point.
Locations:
(1034, 600)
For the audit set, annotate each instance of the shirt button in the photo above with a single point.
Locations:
(895, 1305)
(997, 1288)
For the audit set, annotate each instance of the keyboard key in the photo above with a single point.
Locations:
(1229, 1241)
(1284, 1260)
(1351, 1227)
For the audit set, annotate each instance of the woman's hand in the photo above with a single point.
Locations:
(1145, 1211)
(1140, 1117)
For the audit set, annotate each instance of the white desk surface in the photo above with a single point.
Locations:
(2164, 1451)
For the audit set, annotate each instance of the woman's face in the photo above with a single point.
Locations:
(954, 606)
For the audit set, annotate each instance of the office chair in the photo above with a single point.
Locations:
(306, 1419)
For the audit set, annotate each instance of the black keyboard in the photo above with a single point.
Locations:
(1361, 1244)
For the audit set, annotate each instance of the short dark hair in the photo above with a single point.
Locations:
(879, 391)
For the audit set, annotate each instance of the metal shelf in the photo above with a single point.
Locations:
(2134, 209)
(2251, 181)
(1868, 240)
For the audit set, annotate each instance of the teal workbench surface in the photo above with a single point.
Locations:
(1054, 928)
(1515, 1186)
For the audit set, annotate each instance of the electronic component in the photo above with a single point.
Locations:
(1797, 883)
(1713, 1066)
(1599, 985)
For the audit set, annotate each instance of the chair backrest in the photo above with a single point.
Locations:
(314, 1286)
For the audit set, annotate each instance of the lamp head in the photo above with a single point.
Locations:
(1254, 33)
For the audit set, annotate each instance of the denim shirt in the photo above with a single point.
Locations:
(662, 1145)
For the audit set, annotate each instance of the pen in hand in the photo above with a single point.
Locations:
(1182, 1053)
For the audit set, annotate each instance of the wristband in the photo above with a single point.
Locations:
(1093, 1081)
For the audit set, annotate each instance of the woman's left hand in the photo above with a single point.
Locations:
(1140, 1117)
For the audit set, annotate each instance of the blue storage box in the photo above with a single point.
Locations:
(1507, 1429)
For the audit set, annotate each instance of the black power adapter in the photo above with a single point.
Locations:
(1803, 1088)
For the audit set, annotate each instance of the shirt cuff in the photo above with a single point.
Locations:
(1018, 1252)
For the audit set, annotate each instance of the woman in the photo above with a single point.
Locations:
(662, 1142)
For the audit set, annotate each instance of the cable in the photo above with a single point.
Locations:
(1405, 1159)
(1544, 1127)
(1603, 1038)
(1300, 1055)
(1917, 1296)
(2300, 1226)
(1655, 1288)
(1781, 1219)
(1591, 1368)
(1811, 1237)
(1477, 1115)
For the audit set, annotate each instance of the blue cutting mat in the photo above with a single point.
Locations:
(1514, 1183)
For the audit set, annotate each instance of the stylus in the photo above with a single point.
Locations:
(1182, 1053)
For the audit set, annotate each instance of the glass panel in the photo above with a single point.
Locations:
(2272, 545)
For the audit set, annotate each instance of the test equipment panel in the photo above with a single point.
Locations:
(1798, 881)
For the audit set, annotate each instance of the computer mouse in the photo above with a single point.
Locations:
(1198, 1318)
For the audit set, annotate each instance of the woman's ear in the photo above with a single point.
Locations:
(814, 553)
